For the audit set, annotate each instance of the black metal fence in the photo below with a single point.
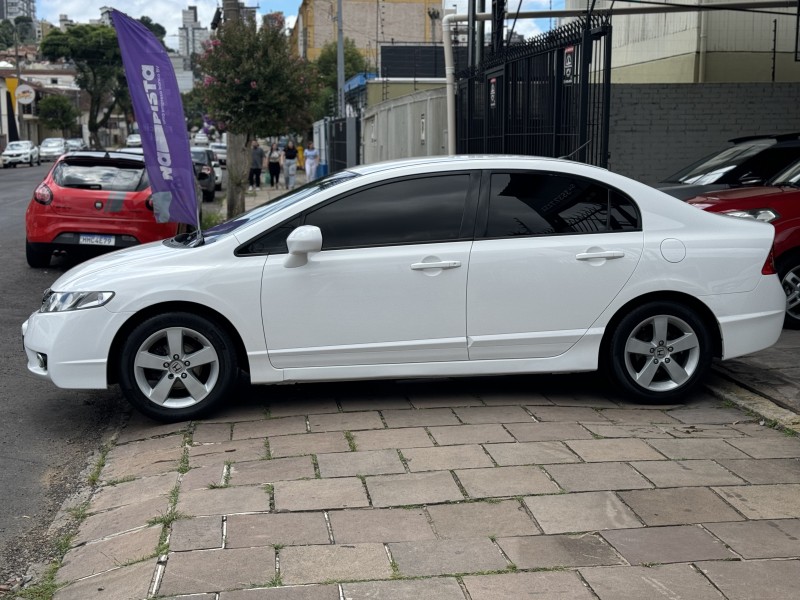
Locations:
(547, 97)
(341, 154)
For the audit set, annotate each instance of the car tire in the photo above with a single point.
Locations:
(659, 352)
(38, 255)
(218, 186)
(208, 196)
(166, 388)
(789, 274)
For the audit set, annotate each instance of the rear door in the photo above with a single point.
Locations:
(550, 254)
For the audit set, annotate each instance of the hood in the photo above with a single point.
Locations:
(114, 264)
(740, 197)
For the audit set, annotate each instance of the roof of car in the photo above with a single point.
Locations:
(779, 137)
(460, 158)
(104, 154)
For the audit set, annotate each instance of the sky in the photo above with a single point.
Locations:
(168, 12)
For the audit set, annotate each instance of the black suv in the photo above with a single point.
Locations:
(750, 161)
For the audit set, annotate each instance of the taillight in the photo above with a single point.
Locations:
(769, 265)
(43, 195)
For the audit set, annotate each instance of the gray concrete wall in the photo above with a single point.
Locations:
(656, 129)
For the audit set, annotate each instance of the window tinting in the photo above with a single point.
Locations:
(426, 209)
(100, 177)
(528, 204)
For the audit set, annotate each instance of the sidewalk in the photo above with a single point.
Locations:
(480, 489)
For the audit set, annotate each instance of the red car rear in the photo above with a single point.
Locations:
(778, 204)
(91, 202)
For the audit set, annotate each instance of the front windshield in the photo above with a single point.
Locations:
(790, 176)
(52, 143)
(18, 146)
(265, 210)
(713, 167)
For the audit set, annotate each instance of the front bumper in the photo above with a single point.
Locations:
(16, 160)
(74, 344)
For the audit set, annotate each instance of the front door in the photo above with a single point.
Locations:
(389, 285)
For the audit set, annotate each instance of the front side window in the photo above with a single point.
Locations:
(533, 204)
(411, 211)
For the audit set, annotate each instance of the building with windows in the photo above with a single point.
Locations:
(369, 23)
(717, 46)
(11, 9)
(191, 34)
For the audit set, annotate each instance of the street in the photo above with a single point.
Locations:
(46, 434)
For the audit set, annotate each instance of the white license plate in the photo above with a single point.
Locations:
(96, 239)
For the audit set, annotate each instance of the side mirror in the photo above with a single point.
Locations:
(302, 241)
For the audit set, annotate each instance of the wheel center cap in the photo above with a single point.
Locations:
(176, 367)
(661, 352)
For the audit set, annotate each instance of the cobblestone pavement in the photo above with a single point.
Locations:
(494, 488)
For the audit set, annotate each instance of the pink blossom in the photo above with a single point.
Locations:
(237, 81)
(253, 84)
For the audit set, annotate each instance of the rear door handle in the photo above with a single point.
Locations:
(602, 254)
(443, 264)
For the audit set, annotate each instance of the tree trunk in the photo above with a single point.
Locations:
(238, 169)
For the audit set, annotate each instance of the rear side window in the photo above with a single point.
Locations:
(100, 177)
(534, 204)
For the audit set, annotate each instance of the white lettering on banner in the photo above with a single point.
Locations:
(162, 147)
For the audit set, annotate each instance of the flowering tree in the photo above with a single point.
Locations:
(253, 86)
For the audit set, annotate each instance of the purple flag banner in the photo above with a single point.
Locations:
(158, 109)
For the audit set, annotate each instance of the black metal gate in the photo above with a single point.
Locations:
(547, 97)
(344, 139)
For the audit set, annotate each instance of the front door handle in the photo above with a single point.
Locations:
(601, 254)
(443, 264)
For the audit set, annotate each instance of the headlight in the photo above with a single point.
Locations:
(63, 301)
(759, 214)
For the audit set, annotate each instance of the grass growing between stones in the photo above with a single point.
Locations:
(351, 441)
(45, 589)
(94, 476)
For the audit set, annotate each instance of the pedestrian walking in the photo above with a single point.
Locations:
(289, 163)
(312, 162)
(274, 165)
(256, 164)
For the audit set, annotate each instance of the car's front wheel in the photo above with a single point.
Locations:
(38, 255)
(177, 366)
(789, 273)
(659, 352)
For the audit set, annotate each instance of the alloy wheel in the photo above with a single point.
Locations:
(791, 285)
(662, 353)
(176, 367)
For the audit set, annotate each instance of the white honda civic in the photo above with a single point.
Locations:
(430, 267)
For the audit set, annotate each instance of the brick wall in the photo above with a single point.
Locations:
(656, 129)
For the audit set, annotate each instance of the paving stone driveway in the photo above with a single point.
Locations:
(471, 490)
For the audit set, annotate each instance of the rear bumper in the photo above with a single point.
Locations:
(750, 321)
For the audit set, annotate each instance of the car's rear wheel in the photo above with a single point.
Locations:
(789, 273)
(659, 352)
(208, 196)
(177, 366)
(38, 255)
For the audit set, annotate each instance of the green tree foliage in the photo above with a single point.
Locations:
(6, 34)
(94, 51)
(25, 30)
(58, 112)
(354, 63)
(157, 29)
(193, 107)
(252, 84)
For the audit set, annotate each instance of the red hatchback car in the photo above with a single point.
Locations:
(91, 202)
(779, 204)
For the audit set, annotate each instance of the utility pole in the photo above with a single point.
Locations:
(340, 59)
(238, 152)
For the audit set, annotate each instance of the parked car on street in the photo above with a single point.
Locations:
(91, 202)
(779, 204)
(134, 141)
(51, 148)
(426, 267)
(206, 167)
(74, 144)
(221, 151)
(21, 152)
(200, 139)
(751, 161)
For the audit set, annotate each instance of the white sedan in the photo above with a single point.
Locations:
(426, 267)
